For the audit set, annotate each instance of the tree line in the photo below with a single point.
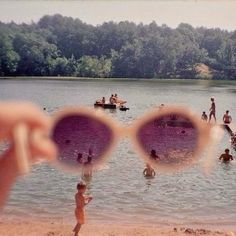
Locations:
(63, 46)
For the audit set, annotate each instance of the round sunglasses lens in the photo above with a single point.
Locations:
(169, 140)
(81, 140)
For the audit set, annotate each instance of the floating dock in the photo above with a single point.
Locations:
(105, 105)
(228, 129)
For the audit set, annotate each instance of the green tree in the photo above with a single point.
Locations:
(94, 67)
(8, 57)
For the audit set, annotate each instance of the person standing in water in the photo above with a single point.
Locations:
(112, 99)
(227, 118)
(212, 110)
(79, 158)
(87, 169)
(226, 157)
(81, 201)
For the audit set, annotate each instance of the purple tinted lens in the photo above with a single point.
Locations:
(170, 139)
(81, 140)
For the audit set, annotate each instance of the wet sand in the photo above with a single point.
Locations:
(51, 228)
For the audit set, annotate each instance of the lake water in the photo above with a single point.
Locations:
(121, 193)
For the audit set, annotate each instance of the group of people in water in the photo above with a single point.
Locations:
(227, 119)
(224, 157)
(112, 100)
(149, 172)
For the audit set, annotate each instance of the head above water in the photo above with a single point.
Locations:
(81, 185)
(153, 152)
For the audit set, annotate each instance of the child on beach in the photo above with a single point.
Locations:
(81, 200)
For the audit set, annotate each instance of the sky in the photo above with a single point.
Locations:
(207, 13)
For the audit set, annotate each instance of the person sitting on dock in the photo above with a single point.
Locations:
(117, 100)
(100, 101)
(112, 100)
(204, 116)
(226, 157)
(227, 118)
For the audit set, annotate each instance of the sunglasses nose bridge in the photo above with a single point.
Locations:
(123, 130)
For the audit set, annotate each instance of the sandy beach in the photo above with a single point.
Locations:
(50, 228)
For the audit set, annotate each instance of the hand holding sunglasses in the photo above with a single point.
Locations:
(168, 138)
(17, 121)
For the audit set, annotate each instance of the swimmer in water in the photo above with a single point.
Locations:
(226, 157)
(149, 171)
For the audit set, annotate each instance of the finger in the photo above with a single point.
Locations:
(41, 146)
(22, 111)
(12, 113)
(21, 146)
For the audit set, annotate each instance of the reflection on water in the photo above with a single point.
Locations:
(227, 166)
(148, 183)
(187, 196)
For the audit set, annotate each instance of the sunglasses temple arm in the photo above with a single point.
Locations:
(216, 134)
(21, 143)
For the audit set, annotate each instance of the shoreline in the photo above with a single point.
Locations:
(73, 78)
(70, 220)
(56, 228)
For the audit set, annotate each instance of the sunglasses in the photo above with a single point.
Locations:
(168, 138)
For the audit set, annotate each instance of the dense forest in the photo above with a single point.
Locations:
(63, 46)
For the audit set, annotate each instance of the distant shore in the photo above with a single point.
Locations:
(55, 228)
(113, 79)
